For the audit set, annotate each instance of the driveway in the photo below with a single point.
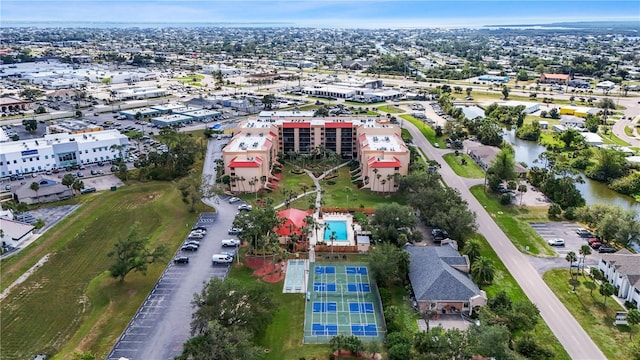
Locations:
(569, 333)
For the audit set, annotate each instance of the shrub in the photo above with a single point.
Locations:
(570, 213)
(505, 199)
(554, 210)
(331, 182)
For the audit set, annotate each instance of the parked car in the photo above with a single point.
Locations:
(189, 247)
(79, 174)
(192, 242)
(233, 200)
(556, 242)
(195, 236)
(246, 207)
(582, 232)
(596, 245)
(199, 227)
(234, 231)
(181, 260)
(439, 234)
(607, 249)
(593, 239)
(88, 190)
(230, 242)
(221, 259)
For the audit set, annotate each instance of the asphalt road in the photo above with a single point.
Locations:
(566, 329)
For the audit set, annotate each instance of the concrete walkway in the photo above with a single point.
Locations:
(564, 326)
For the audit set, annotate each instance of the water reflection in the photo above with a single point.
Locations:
(594, 192)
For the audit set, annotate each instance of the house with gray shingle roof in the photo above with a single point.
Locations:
(622, 270)
(440, 279)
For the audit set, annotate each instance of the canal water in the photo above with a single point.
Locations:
(594, 192)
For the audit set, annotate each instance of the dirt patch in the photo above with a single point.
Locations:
(267, 269)
(256, 262)
(274, 278)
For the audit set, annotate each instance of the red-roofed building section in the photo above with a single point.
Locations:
(375, 162)
(555, 78)
(338, 125)
(296, 125)
(294, 222)
(246, 163)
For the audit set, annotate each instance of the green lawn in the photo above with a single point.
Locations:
(469, 170)
(391, 109)
(587, 308)
(406, 135)
(513, 220)
(504, 281)
(283, 336)
(612, 139)
(192, 79)
(71, 303)
(337, 195)
(628, 131)
(426, 130)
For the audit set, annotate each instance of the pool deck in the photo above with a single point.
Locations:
(351, 229)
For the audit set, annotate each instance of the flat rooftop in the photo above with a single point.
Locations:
(50, 139)
(249, 142)
(387, 142)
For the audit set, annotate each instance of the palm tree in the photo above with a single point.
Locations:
(571, 258)
(378, 176)
(375, 171)
(383, 182)
(483, 270)
(472, 249)
(606, 104)
(35, 187)
(522, 188)
(389, 178)
(332, 238)
(584, 251)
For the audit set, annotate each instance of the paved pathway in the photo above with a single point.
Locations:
(566, 329)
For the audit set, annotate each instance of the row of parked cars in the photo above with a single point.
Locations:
(595, 241)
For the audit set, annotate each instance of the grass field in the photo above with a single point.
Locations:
(513, 220)
(71, 303)
(391, 109)
(611, 138)
(587, 308)
(469, 170)
(504, 281)
(192, 79)
(426, 130)
(628, 131)
(337, 195)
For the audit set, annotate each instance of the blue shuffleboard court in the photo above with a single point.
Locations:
(325, 270)
(329, 307)
(359, 287)
(324, 287)
(364, 330)
(362, 308)
(353, 270)
(324, 329)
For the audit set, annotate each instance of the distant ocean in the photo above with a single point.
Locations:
(142, 25)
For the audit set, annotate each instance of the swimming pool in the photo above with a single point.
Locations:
(339, 227)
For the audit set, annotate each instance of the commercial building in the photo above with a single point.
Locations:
(251, 153)
(60, 150)
(140, 93)
(561, 79)
(9, 104)
(72, 127)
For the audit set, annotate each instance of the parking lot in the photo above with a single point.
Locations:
(162, 323)
(566, 231)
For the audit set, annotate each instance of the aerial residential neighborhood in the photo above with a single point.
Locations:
(372, 180)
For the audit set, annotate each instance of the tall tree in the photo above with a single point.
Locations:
(606, 104)
(483, 270)
(503, 166)
(35, 186)
(472, 249)
(585, 250)
(388, 264)
(216, 342)
(505, 92)
(67, 180)
(131, 253)
(633, 319)
(571, 258)
(606, 290)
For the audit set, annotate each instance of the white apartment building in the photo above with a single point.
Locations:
(622, 270)
(60, 150)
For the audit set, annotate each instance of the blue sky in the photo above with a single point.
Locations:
(344, 13)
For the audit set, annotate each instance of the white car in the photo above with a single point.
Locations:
(233, 200)
(246, 207)
(556, 242)
(230, 242)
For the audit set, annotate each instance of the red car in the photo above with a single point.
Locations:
(592, 240)
(596, 245)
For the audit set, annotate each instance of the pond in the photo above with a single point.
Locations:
(594, 192)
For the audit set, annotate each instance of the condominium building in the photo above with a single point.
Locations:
(376, 144)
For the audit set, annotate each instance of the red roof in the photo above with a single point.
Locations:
(556, 76)
(334, 125)
(294, 222)
(296, 125)
(375, 163)
(256, 162)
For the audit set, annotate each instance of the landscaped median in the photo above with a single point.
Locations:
(464, 166)
(513, 220)
(588, 307)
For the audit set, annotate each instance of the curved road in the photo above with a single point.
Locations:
(566, 329)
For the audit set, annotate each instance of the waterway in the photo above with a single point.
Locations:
(594, 192)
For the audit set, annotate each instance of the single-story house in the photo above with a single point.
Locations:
(15, 230)
(592, 139)
(440, 279)
(50, 190)
(605, 85)
(484, 155)
(622, 270)
(570, 121)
